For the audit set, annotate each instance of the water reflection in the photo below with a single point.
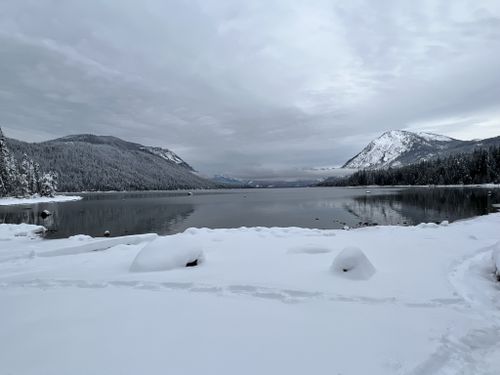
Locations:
(172, 212)
(416, 205)
(92, 217)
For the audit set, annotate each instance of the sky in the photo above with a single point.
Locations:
(260, 88)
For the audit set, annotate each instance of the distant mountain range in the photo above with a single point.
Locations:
(398, 148)
(232, 182)
(91, 162)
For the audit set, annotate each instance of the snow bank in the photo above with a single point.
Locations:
(266, 303)
(11, 231)
(34, 200)
(166, 253)
(352, 263)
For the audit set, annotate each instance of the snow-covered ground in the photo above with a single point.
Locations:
(263, 301)
(37, 199)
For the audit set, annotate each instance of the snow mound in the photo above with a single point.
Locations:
(427, 225)
(167, 253)
(496, 260)
(80, 237)
(352, 263)
(11, 231)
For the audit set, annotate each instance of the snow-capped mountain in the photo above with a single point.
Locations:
(396, 148)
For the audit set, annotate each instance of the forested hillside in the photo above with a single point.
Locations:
(89, 162)
(478, 167)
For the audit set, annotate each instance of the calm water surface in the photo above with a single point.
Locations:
(327, 208)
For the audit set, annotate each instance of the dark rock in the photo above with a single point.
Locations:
(194, 263)
(45, 213)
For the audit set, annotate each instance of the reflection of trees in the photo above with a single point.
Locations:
(421, 204)
(93, 217)
(21, 214)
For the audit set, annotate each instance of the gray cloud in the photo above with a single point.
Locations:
(240, 87)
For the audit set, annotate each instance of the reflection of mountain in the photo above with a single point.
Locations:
(368, 210)
(92, 217)
(421, 205)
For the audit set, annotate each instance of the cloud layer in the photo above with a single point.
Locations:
(239, 87)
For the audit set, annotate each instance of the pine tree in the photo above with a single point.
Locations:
(9, 174)
(4, 183)
(35, 181)
(48, 184)
(25, 176)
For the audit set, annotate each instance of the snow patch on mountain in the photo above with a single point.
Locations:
(163, 153)
(434, 137)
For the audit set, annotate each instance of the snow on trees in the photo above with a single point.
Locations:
(48, 184)
(4, 178)
(24, 179)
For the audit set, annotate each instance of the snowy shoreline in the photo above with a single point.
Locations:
(263, 300)
(11, 201)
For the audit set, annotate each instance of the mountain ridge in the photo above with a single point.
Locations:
(96, 162)
(397, 148)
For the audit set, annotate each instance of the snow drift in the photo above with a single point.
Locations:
(166, 253)
(12, 231)
(352, 263)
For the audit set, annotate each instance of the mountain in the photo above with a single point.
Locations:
(481, 166)
(91, 162)
(398, 148)
(232, 182)
(228, 181)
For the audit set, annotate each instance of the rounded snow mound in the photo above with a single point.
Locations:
(352, 263)
(167, 253)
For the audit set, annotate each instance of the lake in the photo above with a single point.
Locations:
(170, 212)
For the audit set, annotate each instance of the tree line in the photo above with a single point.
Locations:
(479, 167)
(23, 179)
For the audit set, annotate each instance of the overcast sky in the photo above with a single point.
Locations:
(249, 88)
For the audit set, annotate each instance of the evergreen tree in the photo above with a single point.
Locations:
(5, 177)
(48, 184)
(24, 178)
(35, 178)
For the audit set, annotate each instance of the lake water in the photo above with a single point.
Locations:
(328, 208)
